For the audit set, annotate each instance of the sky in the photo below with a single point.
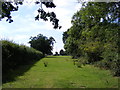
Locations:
(25, 26)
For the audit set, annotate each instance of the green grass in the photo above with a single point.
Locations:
(61, 73)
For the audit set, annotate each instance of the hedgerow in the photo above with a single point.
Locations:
(15, 55)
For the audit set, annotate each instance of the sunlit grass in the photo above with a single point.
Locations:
(62, 73)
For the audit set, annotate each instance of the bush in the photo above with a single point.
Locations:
(115, 68)
(111, 56)
(14, 55)
(93, 51)
(103, 64)
(83, 60)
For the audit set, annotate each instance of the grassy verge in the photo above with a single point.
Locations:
(60, 72)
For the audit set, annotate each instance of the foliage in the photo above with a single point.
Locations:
(56, 54)
(79, 65)
(42, 43)
(14, 56)
(65, 36)
(94, 35)
(8, 7)
(62, 52)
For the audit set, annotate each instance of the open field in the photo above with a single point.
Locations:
(62, 73)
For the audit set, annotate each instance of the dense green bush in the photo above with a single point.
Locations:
(14, 55)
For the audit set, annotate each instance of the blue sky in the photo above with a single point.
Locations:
(25, 26)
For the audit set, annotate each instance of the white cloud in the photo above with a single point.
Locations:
(61, 2)
(2, 28)
(20, 39)
(25, 26)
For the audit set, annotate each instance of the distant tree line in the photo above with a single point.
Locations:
(93, 37)
(61, 52)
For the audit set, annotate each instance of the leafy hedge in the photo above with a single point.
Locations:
(14, 55)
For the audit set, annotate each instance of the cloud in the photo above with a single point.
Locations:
(25, 26)
(20, 39)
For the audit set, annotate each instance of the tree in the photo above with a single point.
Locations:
(94, 35)
(8, 7)
(88, 26)
(42, 43)
(62, 52)
(56, 54)
(65, 36)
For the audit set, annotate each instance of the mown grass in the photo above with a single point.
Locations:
(62, 73)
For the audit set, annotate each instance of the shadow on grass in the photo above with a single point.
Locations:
(51, 57)
(58, 56)
(13, 74)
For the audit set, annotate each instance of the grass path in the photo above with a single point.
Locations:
(61, 73)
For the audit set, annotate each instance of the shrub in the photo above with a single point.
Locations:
(115, 68)
(111, 56)
(14, 55)
(103, 64)
(93, 51)
(83, 60)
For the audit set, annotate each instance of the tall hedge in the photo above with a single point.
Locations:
(14, 55)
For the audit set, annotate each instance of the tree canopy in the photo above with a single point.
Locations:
(8, 7)
(42, 43)
(94, 34)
